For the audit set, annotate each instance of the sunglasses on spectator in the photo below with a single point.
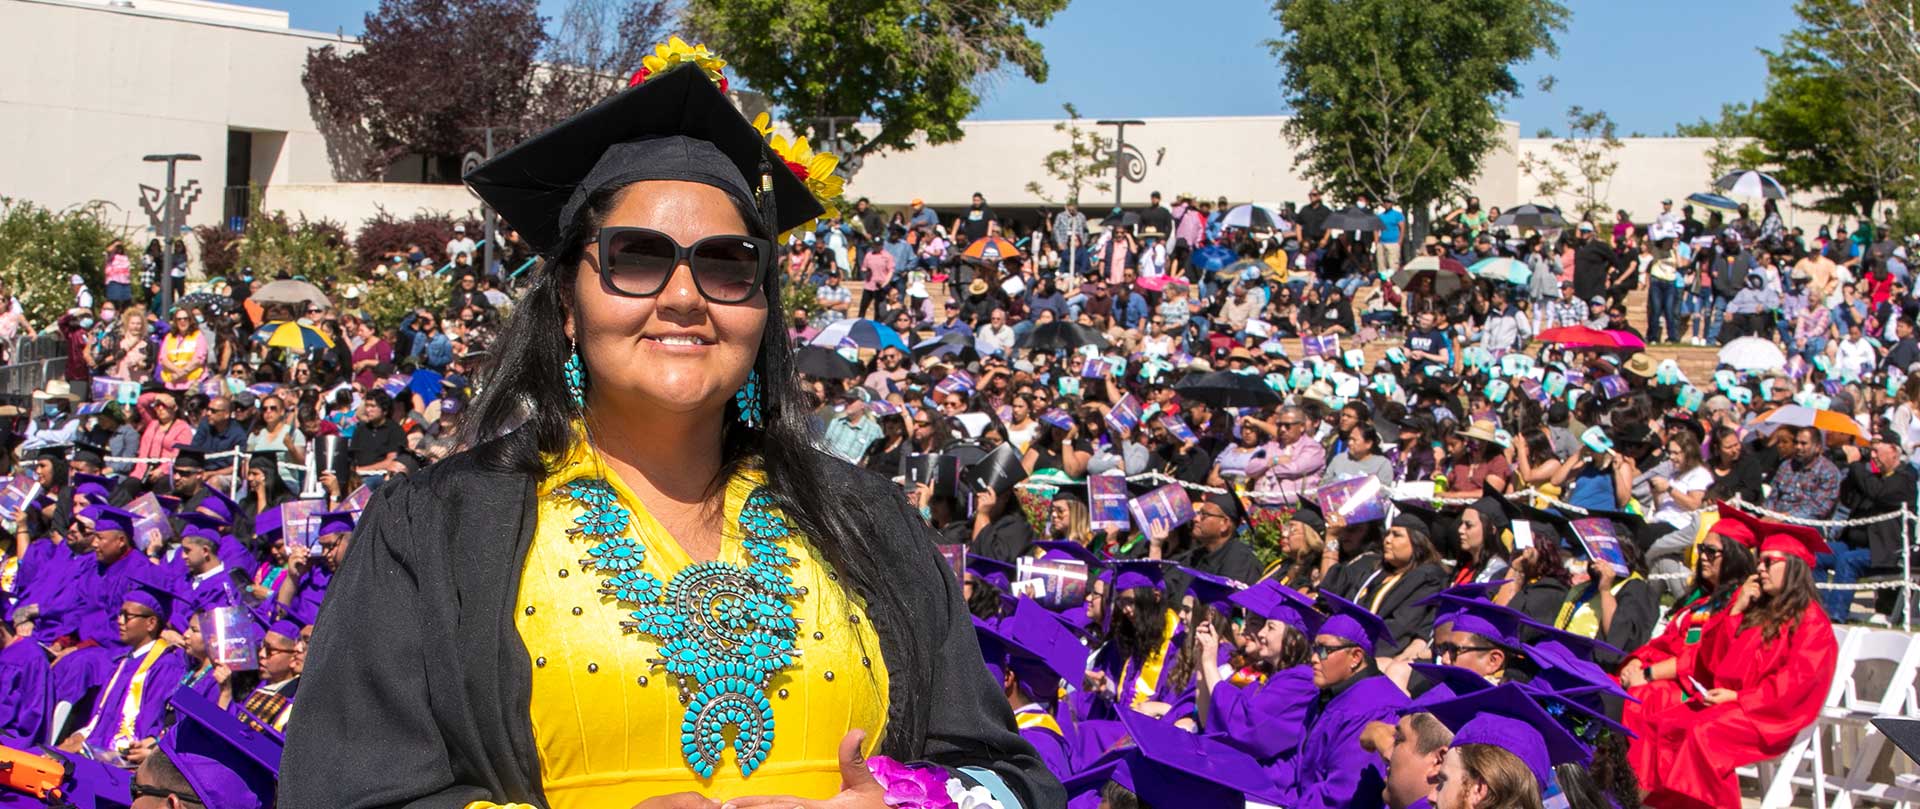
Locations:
(1446, 651)
(1322, 652)
(638, 262)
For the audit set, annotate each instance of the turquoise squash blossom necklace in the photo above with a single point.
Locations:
(724, 631)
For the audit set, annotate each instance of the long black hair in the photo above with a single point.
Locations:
(525, 404)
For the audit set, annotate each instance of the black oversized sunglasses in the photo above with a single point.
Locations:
(638, 262)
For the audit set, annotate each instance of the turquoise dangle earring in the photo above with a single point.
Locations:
(746, 401)
(576, 376)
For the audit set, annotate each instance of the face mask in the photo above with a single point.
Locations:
(109, 315)
(200, 319)
(86, 323)
(50, 411)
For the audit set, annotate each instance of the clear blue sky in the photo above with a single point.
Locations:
(1648, 63)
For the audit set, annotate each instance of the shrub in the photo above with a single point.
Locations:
(274, 244)
(219, 250)
(385, 234)
(388, 300)
(41, 248)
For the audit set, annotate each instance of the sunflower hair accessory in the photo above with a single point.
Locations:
(675, 52)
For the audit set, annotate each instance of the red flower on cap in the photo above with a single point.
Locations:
(798, 170)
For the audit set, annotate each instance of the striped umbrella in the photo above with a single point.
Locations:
(1830, 422)
(292, 335)
(990, 250)
(1751, 184)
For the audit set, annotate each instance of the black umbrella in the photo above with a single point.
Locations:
(206, 300)
(1538, 217)
(1061, 335)
(952, 344)
(1125, 220)
(824, 363)
(1227, 389)
(1352, 218)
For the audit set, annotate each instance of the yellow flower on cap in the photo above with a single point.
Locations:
(677, 52)
(815, 169)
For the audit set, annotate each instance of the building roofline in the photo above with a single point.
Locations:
(136, 11)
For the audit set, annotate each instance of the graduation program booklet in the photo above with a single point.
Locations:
(1055, 583)
(1107, 502)
(152, 525)
(1598, 536)
(1160, 511)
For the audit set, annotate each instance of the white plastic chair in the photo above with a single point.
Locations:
(1781, 777)
(1899, 698)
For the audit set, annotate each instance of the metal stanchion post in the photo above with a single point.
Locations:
(1906, 567)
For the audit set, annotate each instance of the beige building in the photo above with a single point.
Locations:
(94, 85)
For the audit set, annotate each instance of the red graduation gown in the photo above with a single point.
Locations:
(1781, 684)
(1679, 643)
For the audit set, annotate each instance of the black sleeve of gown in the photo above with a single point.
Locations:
(1411, 619)
(1541, 600)
(1635, 610)
(365, 734)
(969, 723)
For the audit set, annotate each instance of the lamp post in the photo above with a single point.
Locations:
(1120, 154)
(170, 212)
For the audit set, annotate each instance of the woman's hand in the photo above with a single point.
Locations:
(1603, 574)
(858, 788)
(1749, 591)
(1715, 696)
(1634, 675)
(1209, 641)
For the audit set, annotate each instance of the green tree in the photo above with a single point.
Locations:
(1085, 160)
(41, 248)
(1733, 144)
(1582, 163)
(1398, 99)
(911, 65)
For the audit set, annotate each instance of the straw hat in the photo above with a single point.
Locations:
(978, 287)
(1482, 430)
(56, 389)
(1639, 365)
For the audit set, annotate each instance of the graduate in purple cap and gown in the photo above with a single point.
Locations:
(1143, 639)
(1332, 770)
(1504, 750)
(1266, 719)
(306, 588)
(1077, 616)
(210, 583)
(126, 719)
(988, 588)
(173, 774)
(100, 584)
(26, 684)
(271, 703)
(1167, 768)
(1030, 654)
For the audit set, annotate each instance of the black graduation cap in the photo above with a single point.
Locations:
(189, 457)
(1415, 516)
(53, 452)
(676, 125)
(91, 453)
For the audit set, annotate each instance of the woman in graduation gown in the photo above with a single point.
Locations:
(644, 585)
(1767, 664)
(1266, 719)
(1409, 572)
(1654, 672)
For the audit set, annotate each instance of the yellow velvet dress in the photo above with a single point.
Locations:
(607, 722)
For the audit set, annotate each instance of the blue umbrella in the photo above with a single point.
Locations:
(1213, 257)
(1714, 201)
(1509, 270)
(864, 333)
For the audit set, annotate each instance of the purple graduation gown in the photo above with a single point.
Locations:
(1331, 770)
(1051, 745)
(51, 586)
(26, 691)
(163, 677)
(81, 671)
(1265, 720)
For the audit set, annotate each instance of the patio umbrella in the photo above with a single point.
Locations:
(290, 292)
(1239, 268)
(952, 344)
(1538, 217)
(989, 250)
(1448, 275)
(1752, 354)
(1436, 263)
(1751, 184)
(1586, 337)
(1227, 389)
(864, 333)
(206, 300)
(1252, 217)
(1714, 202)
(824, 363)
(292, 335)
(1352, 218)
(1508, 270)
(1061, 335)
(1831, 422)
(1213, 257)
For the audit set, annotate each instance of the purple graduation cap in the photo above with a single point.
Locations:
(108, 518)
(1210, 590)
(269, 525)
(1277, 602)
(1484, 618)
(1167, 766)
(1068, 549)
(1136, 573)
(1445, 683)
(207, 525)
(334, 522)
(96, 488)
(1566, 660)
(1036, 647)
(156, 598)
(227, 763)
(994, 572)
(1353, 623)
(218, 504)
(1507, 718)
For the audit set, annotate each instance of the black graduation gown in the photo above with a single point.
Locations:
(418, 685)
(1540, 600)
(1398, 608)
(1345, 578)
(1006, 538)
